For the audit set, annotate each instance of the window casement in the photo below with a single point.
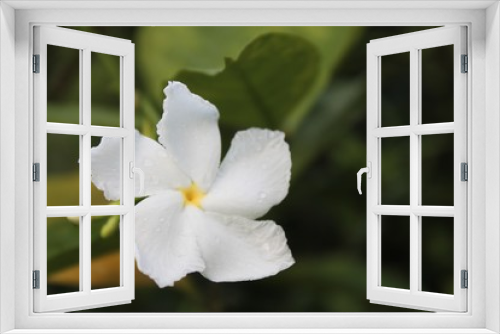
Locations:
(414, 133)
(85, 129)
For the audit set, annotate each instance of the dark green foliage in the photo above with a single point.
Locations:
(310, 83)
(263, 85)
(63, 245)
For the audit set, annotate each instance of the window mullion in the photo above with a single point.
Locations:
(128, 155)
(414, 171)
(86, 103)
(419, 164)
(85, 182)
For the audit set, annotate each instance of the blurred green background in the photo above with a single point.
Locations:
(309, 82)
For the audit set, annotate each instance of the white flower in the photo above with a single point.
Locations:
(199, 217)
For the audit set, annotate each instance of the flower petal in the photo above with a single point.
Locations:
(166, 248)
(190, 133)
(160, 171)
(254, 176)
(105, 164)
(239, 249)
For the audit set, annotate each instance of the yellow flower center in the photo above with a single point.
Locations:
(192, 195)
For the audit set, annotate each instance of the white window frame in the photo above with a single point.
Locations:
(85, 44)
(414, 44)
(483, 20)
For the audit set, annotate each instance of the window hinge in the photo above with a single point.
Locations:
(36, 172)
(465, 64)
(464, 279)
(464, 172)
(36, 279)
(36, 63)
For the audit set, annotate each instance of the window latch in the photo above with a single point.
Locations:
(368, 171)
(134, 170)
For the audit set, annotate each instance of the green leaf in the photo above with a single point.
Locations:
(62, 244)
(162, 52)
(111, 226)
(263, 85)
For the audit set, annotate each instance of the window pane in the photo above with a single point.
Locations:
(395, 170)
(105, 95)
(105, 267)
(396, 251)
(437, 254)
(113, 176)
(395, 95)
(63, 85)
(437, 84)
(63, 255)
(437, 169)
(63, 170)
